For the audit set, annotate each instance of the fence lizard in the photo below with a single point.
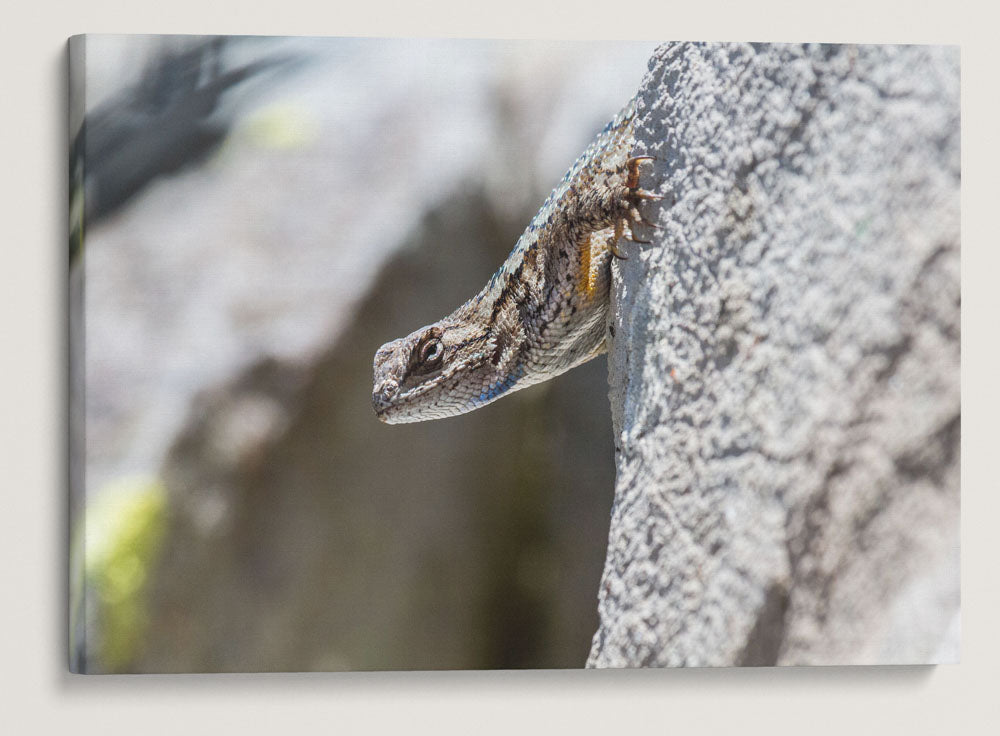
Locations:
(542, 313)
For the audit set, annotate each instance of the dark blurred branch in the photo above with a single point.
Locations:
(173, 118)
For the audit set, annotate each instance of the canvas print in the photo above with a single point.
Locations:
(393, 354)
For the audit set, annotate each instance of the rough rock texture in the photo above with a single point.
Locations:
(785, 370)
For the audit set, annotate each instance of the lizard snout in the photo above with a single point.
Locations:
(384, 394)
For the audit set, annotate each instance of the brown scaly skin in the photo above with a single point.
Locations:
(542, 313)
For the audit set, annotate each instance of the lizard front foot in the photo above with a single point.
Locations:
(633, 196)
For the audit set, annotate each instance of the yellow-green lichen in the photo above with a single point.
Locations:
(123, 530)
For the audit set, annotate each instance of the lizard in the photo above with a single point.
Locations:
(545, 309)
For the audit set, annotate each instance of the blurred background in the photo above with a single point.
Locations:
(250, 219)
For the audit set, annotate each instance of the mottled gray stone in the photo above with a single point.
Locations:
(784, 377)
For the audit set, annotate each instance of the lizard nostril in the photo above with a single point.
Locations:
(385, 392)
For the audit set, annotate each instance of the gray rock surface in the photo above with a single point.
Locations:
(784, 380)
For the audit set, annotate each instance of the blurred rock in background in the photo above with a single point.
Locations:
(232, 310)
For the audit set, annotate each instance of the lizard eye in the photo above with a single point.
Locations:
(430, 354)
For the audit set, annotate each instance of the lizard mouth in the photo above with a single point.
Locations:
(395, 404)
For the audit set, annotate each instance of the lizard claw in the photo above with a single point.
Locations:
(632, 164)
(633, 196)
(616, 252)
(632, 180)
(637, 217)
(613, 242)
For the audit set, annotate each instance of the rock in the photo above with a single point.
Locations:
(784, 378)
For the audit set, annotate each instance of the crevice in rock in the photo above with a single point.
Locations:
(764, 642)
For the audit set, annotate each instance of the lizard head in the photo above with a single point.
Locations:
(433, 372)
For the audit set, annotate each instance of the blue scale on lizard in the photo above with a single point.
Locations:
(499, 388)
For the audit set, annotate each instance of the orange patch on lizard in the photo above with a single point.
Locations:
(586, 280)
(592, 246)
